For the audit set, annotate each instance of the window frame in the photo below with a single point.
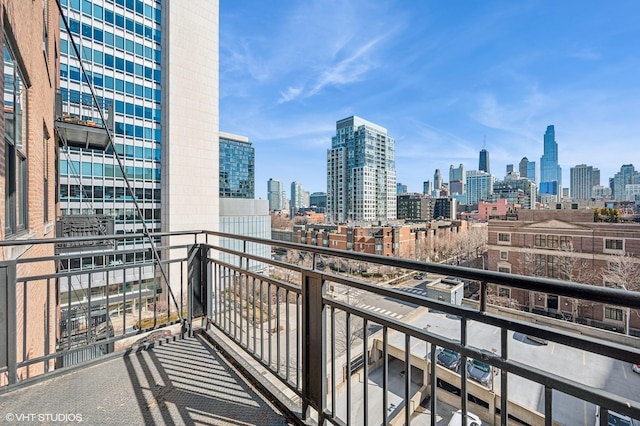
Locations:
(615, 241)
(613, 313)
(504, 238)
(15, 141)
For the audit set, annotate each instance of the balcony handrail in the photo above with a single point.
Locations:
(613, 296)
(584, 342)
(607, 295)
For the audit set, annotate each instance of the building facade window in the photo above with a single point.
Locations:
(552, 241)
(613, 244)
(504, 255)
(546, 266)
(45, 172)
(614, 314)
(504, 292)
(504, 269)
(504, 238)
(15, 122)
(611, 284)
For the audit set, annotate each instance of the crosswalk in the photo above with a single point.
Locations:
(413, 290)
(379, 310)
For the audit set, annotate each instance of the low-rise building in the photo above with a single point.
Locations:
(568, 245)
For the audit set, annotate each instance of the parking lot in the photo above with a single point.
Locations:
(571, 363)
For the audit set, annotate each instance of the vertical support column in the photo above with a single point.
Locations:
(197, 303)
(208, 271)
(463, 369)
(483, 296)
(504, 394)
(314, 354)
(8, 325)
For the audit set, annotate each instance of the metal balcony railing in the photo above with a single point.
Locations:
(348, 347)
(79, 122)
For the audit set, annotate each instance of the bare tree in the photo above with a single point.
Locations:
(624, 273)
(495, 298)
(347, 336)
(573, 267)
(530, 264)
(281, 221)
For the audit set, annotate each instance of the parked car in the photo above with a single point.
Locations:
(472, 419)
(102, 331)
(479, 371)
(537, 339)
(420, 276)
(448, 358)
(636, 368)
(153, 337)
(614, 419)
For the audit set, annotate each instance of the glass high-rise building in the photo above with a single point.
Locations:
(274, 194)
(550, 171)
(297, 197)
(129, 48)
(457, 179)
(479, 186)
(581, 182)
(522, 167)
(626, 176)
(237, 167)
(120, 44)
(483, 163)
(361, 172)
(427, 187)
(437, 180)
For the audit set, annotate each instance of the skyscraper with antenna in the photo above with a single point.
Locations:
(484, 158)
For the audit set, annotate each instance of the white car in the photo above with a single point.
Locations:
(614, 419)
(636, 368)
(472, 419)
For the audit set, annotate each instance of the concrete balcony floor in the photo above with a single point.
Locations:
(183, 382)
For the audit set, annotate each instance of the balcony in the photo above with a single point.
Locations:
(184, 337)
(79, 122)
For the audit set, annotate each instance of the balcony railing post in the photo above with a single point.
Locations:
(207, 268)
(483, 296)
(197, 303)
(8, 330)
(314, 354)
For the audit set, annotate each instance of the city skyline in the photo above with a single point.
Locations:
(440, 78)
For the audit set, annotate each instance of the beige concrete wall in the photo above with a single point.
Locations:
(190, 125)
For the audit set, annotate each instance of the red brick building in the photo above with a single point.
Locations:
(30, 43)
(415, 241)
(567, 245)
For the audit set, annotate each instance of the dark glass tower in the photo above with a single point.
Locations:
(237, 167)
(484, 161)
(550, 171)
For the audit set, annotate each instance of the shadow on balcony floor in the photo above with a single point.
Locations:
(182, 382)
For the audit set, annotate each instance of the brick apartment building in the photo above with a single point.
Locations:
(415, 241)
(30, 43)
(568, 245)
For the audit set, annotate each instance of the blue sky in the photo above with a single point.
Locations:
(440, 76)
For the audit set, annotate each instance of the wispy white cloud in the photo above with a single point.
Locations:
(290, 94)
(348, 70)
(587, 54)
